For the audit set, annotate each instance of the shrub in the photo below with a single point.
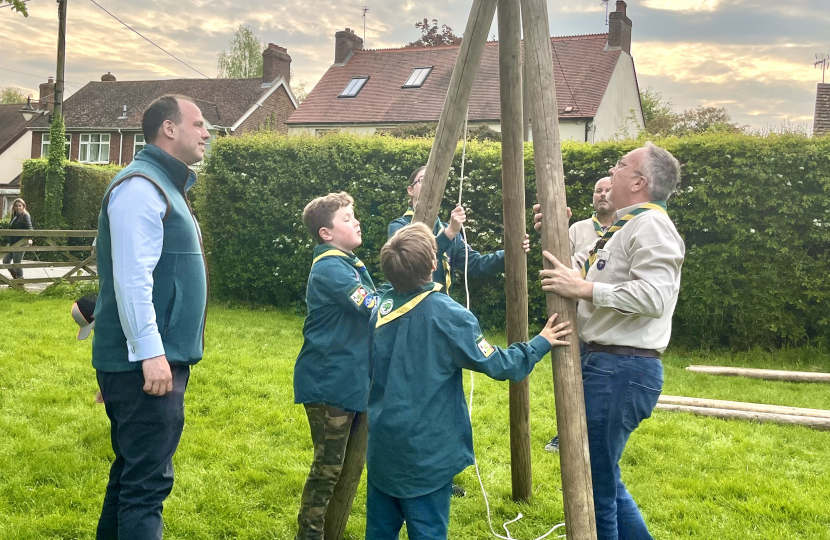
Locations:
(754, 213)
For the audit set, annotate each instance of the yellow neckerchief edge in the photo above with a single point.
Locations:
(335, 253)
(406, 308)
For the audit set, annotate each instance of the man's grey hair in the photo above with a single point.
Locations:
(662, 172)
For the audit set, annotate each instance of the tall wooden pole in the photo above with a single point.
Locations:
(454, 113)
(61, 57)
(515, 260)
(550, 183)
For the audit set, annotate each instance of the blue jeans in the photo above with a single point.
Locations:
(620, 392)
(427, 517)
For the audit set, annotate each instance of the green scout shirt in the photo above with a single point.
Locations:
(333, 364)
(420, 435)
(451, 253)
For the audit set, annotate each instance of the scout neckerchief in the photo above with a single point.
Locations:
(445, 259)
(326, 250)
(592, 256)
(393, 305)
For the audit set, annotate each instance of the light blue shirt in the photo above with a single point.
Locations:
(136, 210)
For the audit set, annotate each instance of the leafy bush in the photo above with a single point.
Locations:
(754, 212)
(84, 187)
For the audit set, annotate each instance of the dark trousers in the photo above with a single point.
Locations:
(620, 392)
(145, 431)
(15, 257)
(427, 517)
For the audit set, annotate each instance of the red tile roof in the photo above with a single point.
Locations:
(582, 69)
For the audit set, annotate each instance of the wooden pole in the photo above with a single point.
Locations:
(454, 113)
(515, 260)
(58, 97)
(550, 183)
(340, 505)
(741, 406)
(768, 374)
(751, 416)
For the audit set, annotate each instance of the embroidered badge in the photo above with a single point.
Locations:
(485, 348)
(386, 307)
(600, 264)
(370, 301)
(359, 295)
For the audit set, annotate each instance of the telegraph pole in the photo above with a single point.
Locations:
(61, 57)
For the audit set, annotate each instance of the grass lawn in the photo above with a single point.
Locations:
(246, 448)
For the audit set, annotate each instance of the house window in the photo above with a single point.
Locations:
(138, 143)
(353, 87)
(44, 145)
(95, 148)
(417, 77)
(325, 131)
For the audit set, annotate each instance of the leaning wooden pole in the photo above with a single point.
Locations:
(451, 122)
(550, 184)
(340, 505)
(515, 260)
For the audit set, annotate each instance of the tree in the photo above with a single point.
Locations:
(17, 5)
(299, 91)
(661, 118)
(55, 175)
(431, 35)
(11, 94)
(244, 60)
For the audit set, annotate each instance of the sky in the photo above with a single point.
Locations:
(754, 57)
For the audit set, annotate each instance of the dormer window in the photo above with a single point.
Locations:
(417, 78)
(353, 87)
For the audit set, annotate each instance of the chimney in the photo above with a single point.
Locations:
(344, 43)
(821, 120)
(108, 77)
(619, 29)
(47, 95)
(275, 63)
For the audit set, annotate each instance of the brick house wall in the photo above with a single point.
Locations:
(123, 142)
(274, 112)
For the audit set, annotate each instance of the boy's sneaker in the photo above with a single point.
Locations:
(553, 445)
(458, 491)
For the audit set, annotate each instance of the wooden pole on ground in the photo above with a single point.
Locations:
(751, 416)
(515, 260)
(575, 461)
(454, 113)
(340, 505)
(768, 374)
(741, 406)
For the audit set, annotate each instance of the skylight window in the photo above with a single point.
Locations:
(417, 78)
(353, 87)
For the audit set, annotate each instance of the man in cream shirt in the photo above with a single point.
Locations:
(626, 301)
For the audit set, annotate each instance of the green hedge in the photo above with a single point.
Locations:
(754, 212)
(84, 187)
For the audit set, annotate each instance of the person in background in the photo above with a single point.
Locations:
(23, 221)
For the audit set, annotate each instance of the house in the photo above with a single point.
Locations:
(103, 119)
(366, 91)
(821, 119)
(15, 144)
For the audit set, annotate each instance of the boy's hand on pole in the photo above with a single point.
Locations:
(537, 216)
(552, 332)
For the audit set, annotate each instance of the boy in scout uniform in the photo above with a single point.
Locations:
(331, 375)
(420, 435)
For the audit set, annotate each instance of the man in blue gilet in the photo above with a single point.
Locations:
(150, 314)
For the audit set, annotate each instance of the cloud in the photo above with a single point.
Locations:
(683, 5)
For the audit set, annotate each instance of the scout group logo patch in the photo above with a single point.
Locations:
(370, 301)
(386, 307)
(485, 348)
(359, 295)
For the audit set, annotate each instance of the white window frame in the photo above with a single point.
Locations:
(417, 77)
(87, 144)
(138, 146)
(44, 145)
(354, 87)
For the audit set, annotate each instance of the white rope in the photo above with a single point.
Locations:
(472, 379)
